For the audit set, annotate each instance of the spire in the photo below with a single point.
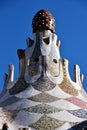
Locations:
(43, 96)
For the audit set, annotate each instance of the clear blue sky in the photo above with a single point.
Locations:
(71, 28)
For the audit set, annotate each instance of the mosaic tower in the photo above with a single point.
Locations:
(43, 97)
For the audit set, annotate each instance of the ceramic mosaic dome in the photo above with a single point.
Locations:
(43, 96)
(43, 20)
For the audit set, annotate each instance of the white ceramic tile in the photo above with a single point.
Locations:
(29, 92)
(22, 104)
(57, 92)
(66, 116)
(63, 104)
(66, 126)
(27, 118)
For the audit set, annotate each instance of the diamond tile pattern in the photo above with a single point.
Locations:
(43, 109)
(43, 97)
(47, 123)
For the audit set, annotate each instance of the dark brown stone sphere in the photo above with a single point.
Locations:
(43, 20)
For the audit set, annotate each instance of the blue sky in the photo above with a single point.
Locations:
(71, 28)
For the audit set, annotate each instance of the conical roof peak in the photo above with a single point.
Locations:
(43, 20)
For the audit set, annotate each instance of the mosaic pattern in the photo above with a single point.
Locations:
(65, 116)
(57, 92)
(54, 67)
(7, 116)
(63, 104)
(77, 102)
(43, 109)
(44, 98)
(51, 101)
(9, 101)
(79, 113)
(43, 84)
(13, 113)
(47, 123)
(67, 87)
(28, 92)
(21, 104)
(26, 118)
(33, 66)
(37, 52)
(43, 20)
(19, 86)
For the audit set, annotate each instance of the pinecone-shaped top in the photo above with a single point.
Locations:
(43, 20)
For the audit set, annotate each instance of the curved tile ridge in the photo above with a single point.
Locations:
(28, 78)
(41, 49)
(56, 79)
(19, 86)
(25, 103)
(27, 118)
(5, 96)
(30, 49)
(65, 125)
(55, 53)
(30, 53)
(43, 98)
(43, 84)
(57, 92)
(46, 123)
(64, 104)
(9, 101)
(9, 78)
(28, 92)
(9, 81)
(43, 109)
(21, 56)
(67, 85)
(76, 101)
(78, 78)
(81, 113)
(66, 116)
(45, 47)
(4, 90)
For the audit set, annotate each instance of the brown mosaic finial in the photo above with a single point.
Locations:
(43, 20)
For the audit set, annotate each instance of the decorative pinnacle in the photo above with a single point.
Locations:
(43, 20)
